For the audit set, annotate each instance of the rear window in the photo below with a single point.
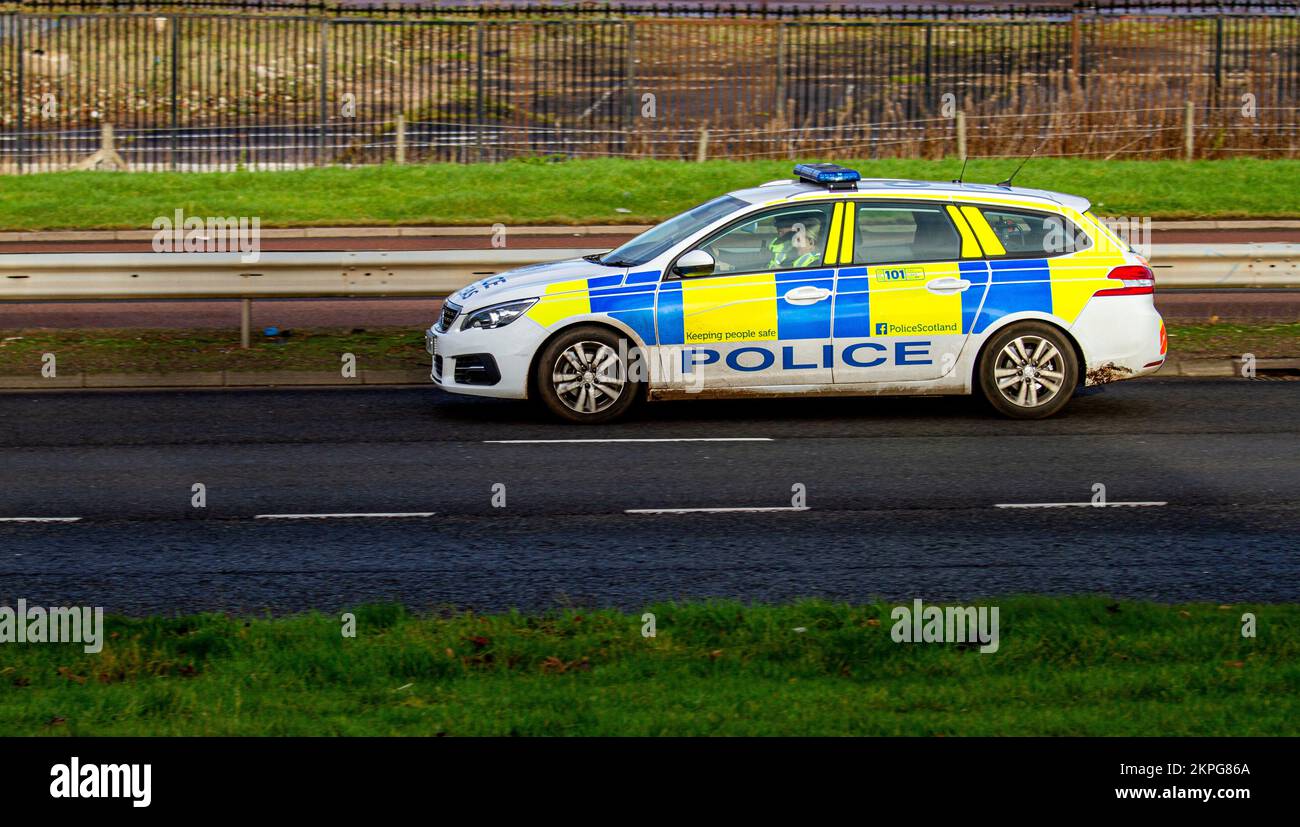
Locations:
(1035, 234)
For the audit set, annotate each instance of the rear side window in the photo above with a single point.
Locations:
(1035, 234)
(897, 234)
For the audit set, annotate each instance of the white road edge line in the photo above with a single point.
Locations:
(379, 514)
(39, 519)
(712, 510)
(1079, 505)
(682, 439)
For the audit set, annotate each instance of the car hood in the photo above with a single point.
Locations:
(527, 282)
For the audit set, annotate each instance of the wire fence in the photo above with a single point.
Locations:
(216, 91)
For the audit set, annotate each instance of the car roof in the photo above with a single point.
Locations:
(778, 191)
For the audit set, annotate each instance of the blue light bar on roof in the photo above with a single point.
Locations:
(833, 176)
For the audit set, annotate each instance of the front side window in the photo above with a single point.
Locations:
(1034, 234)
(793, 238)
(658, 240)
(897, 234)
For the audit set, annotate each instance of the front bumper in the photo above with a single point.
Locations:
(484, 362)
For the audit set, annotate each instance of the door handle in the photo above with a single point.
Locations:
(947, 284)
(807, 294)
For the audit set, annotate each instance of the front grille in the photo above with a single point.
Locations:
(448, 317)
(437, 367)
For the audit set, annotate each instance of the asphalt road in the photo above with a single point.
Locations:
(901, 497)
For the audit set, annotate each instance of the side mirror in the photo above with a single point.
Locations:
(695, 263)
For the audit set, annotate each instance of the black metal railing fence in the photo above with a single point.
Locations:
(699, 9)
(268, 90)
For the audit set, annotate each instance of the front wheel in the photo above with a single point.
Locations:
(584, 376)
(1029, 371)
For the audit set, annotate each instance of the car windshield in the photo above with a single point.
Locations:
(657, 240)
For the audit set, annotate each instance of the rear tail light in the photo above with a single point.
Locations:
(1137, 279)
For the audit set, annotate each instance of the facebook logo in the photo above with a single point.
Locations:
(882, 328)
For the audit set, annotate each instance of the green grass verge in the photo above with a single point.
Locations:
(1222, 339)
(1066, 666)
(166, 351)
(593, 191)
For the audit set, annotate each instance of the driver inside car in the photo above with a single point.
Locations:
(804, 241)
(782, 246)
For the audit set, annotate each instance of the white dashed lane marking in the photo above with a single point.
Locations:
(376, 514)
(681, 439)
(712, 510)
(1080, 505)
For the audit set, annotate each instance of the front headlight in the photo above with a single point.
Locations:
(498, 315)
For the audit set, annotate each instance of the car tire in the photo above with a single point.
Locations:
(583, 375)
(1029, 370)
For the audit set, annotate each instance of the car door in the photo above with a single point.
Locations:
(905, 304)
(763, 317)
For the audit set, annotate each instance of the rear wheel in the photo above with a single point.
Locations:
(1029, 371)
(584, 376)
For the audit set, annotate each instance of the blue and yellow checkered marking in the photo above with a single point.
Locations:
(645, 277)
(671, 328)
(977, 273)
(751, 307)
(631, 304)
(804, 321)
(853, 304)
(1016, 286)
(629, 299)
(743, 308)
(723, 309)
(560, 301)
(904, 307)
(899, 302)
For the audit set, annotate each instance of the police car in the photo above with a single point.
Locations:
(830, 284)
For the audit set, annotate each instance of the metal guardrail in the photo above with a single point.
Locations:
(142, 276)
(1200, 266)
(158, 276)
(145, 276)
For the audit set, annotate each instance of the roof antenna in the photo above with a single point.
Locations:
(961, 174)
(1007, 183)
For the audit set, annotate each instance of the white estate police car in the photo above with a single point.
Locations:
(831, 284)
